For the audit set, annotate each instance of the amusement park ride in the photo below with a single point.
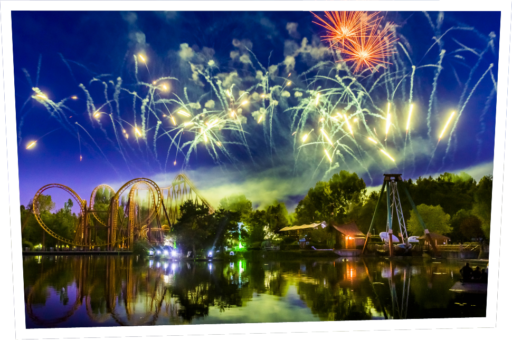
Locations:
(129, 217)
(392, 183)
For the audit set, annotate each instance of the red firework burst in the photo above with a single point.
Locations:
(370, 50)
(357, 35)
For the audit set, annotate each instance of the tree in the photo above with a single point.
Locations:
(194, 227)
(483, 203)
(255, 225)
(436, 220)
(330, 201)
(237, 204)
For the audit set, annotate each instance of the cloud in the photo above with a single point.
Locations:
(186, 53)
(210, 104)
(291, 27)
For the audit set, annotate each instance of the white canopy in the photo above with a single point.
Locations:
(384, 237)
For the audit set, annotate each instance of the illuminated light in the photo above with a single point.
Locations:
(288, 83)
(322, 119)
(187, 123)
(263, 95)
(124, 131)
(164, 87)
(317, 99)
(244, 102)
(183, 113)
(174, 162)
(233, 114)
(388, 122)
(31, 145)
(228, 93)
(214, 122)
(355, 120)
(348, 123)
(446, 125)
(334, 118)
(259, 119)
(409, 118)
(164, 115)
(42, 95)
(142, 58)
(372, 140)
(294, 133)
(138, 132)
(96, 114)
(80, 158)
(126, 136)
(74, 97)
(219, 143)
(384, 152)
(305, 137)
(289, 74)
(327, 137)
(173, 120)
(327, 154)
(154, 82)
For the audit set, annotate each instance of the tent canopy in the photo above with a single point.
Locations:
(349, 229)
(304, 226)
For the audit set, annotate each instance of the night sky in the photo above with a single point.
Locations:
(58, 51)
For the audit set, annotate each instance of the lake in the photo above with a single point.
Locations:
(92, 291)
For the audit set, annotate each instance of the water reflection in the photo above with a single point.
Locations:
(85, 291)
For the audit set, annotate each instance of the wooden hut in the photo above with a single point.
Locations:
(349, 237)
(437, 238)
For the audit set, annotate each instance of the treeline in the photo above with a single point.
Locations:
(453, 205)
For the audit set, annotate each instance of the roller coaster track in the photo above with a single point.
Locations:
(180, 190)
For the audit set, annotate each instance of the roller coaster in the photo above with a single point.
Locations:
(129, 216)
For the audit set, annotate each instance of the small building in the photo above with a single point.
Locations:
(349, 236)
(437, 238)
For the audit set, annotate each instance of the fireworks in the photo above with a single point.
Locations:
(341, 26)
(183, 113)
(409, 118)
(387, 154)
(31, 145)
(372, 140)
(137, 131)
(388, 120)
(326, 137)
(446, 125)
(328, 156)
(348, 124)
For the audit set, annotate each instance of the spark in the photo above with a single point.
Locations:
(387, 154)
(446, 125)
(388, 121)
(183, 113)
(42, 95)
(187, 123)
(80, 158)
(372, 140)
(233, 114)
(244, 102)
(138, 132)
(305, 137)
(409, 118)
(259, 119)
(327, 137)
(294, 133)
(124, 131)
(262, 95)
(142, 58)
(173, 120)
(322, 119)
(219, 143)
(228, 93)
(355, 120)
(174, 162)
(317, 99)
(96, 114)
(74, 97)
(327, 154)
(154, 82)
(348, 123)
(370, 49)
(31, 145)
(288, 83)
(342, 26)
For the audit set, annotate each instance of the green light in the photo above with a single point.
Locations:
(240, 245)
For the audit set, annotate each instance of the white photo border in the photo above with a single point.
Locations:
(501, 197)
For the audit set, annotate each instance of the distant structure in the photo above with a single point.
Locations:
(140, 209)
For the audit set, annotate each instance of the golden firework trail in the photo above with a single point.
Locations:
(31, 145)
(328, 156)
(259, 119)
(348, 124)
(142, 58)
(388, 121)
(446, 125)
(173, 120)
(387, 154)
(137, 131)
(327, 137)
(317, 99)
(372, 140)
(409, 118)
(183, 113)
